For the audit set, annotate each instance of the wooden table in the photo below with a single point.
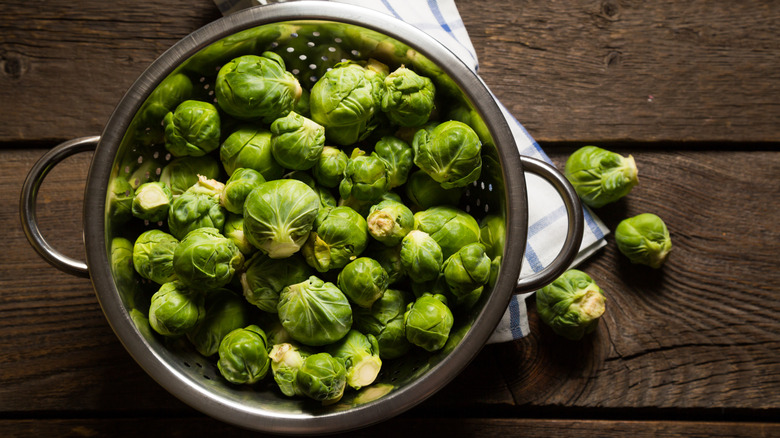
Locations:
(690, 89)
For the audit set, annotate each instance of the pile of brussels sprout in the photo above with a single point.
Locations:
(573, 304)
(305, 235)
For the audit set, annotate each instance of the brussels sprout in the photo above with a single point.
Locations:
(121, 253)
(450, 153)
(408, 98)
(492, 234)
(572, 304)
(120, 201)
(428, 322)
(365, 177)
(243, 355)
(599, 176)
(225, 312)
(192, 129)
(286, 360)
(182, 173)
(390, 259)
(644, 239)
(153, 255)
(421, 256)
(450, 227)
(467, 270)
(234, 230)
(344, 101)
(322, 377)
(278, 216)
(360, 354)
(314, 312)
(363, 281)
(437, 286)
(425, 193)
(172, 91)
(389, 222)
(330, 167)
(176, 309)
(385, 320)
(398, 158)
(152, 201)
(296, 141)
(264, 278)
(257, 87)
(339, 236)
(250, 148)
(237, 188)
(197, 207)
(206, 260)
(468, 115)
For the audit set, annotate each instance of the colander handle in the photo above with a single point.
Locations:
(29, 196)
(575, 217)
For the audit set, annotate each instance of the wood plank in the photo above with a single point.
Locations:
(701, 334)
(570, 71)
(402, 426)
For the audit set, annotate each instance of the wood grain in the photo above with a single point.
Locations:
(175, 427)
(671, 339)
(569, 71)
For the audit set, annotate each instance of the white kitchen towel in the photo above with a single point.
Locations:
(546, 212)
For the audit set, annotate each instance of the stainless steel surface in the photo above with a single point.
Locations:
(313, 36)
(29, 197)
(575, 221)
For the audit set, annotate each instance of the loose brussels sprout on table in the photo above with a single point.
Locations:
(644, 239)
(243, 355)
(193, 129)
(599, 176)
(243, 79)
(153, 255)
(571, 305)
(278, 216)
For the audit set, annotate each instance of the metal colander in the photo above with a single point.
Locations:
(311, 37)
